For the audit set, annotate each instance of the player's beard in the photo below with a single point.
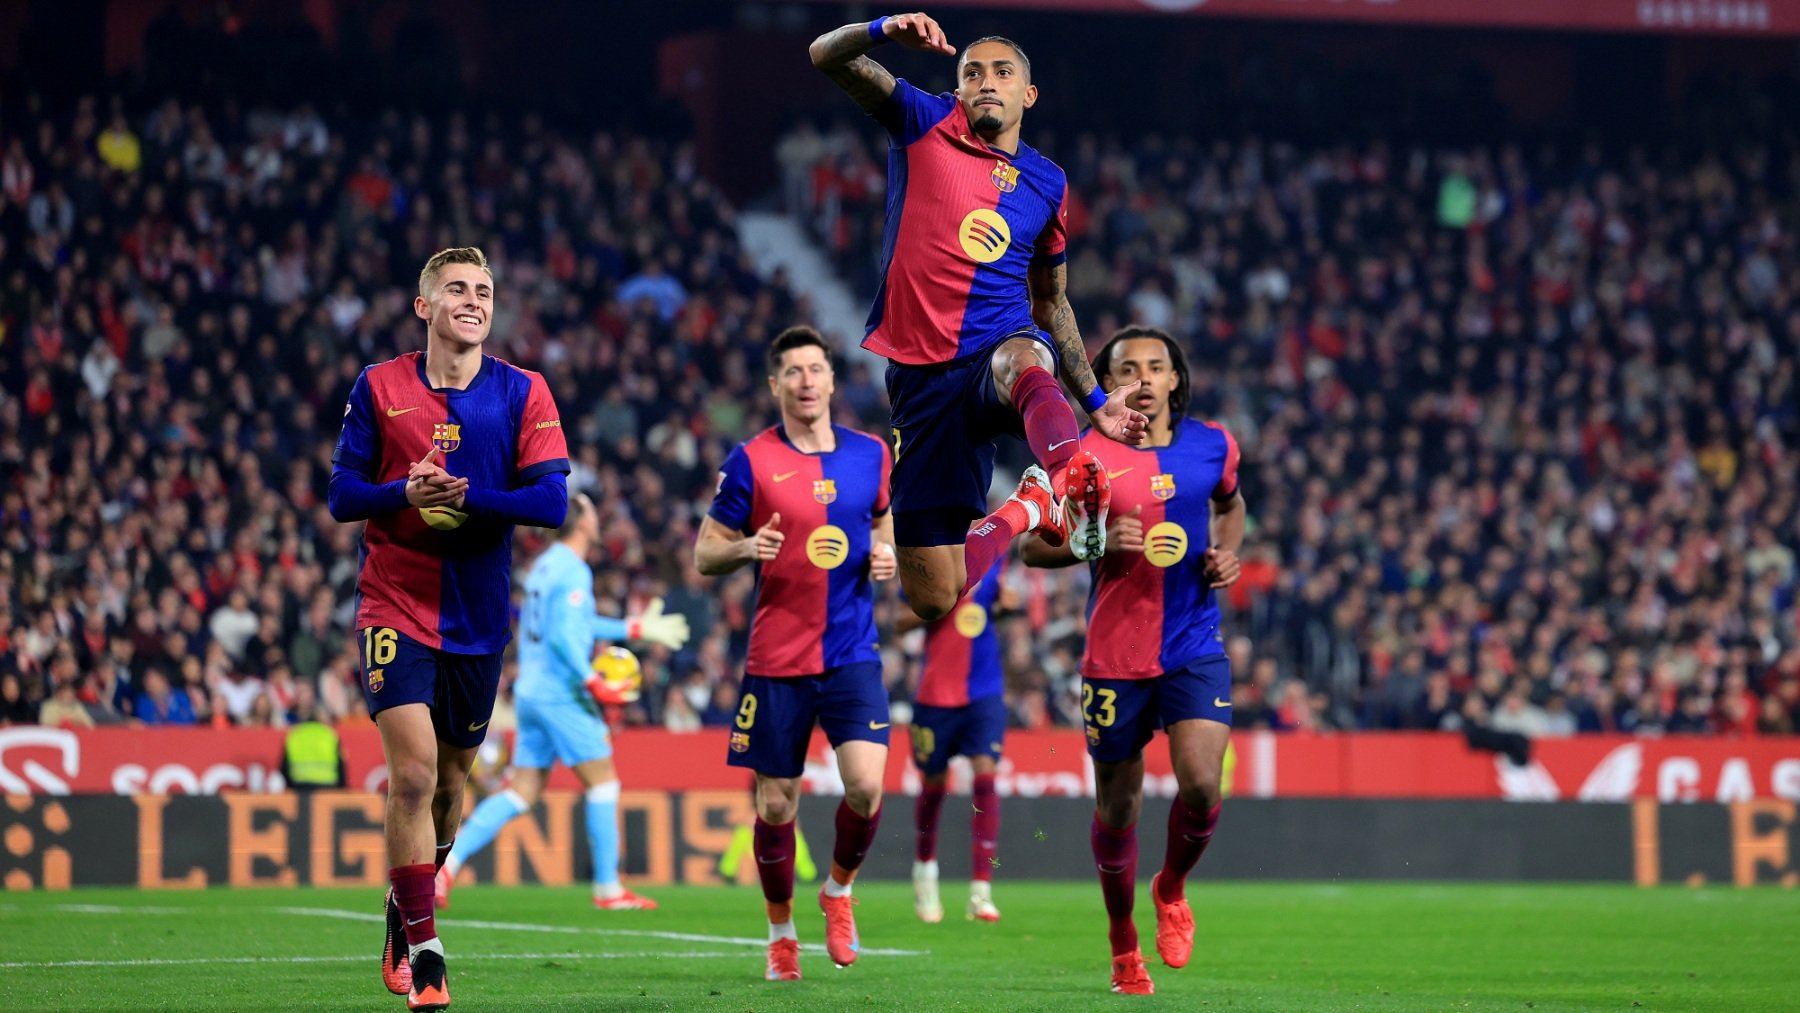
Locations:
(987, 123)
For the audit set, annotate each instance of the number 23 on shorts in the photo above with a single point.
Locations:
(1107, 713)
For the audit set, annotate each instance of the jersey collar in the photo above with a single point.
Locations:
(481, 374)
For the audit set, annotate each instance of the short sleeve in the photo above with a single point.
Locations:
(542, 448)
(1228, 472)
(908, 112)
(359, 442)
(737, 492)
(1053, 243)
(887, 474)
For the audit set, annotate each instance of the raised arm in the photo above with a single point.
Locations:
(841, 54)
(653, 625)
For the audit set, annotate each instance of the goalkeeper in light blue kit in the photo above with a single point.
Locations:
(558, 697)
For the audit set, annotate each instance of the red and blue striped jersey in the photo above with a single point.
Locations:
(815, 603)
(440, 577)
(962, 654)
(1152, 612)
(964, 223)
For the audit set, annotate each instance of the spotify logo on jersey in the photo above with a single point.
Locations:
(971, 619)
(443, 518)
(827, 547)
(984, 235)
(1165, 544)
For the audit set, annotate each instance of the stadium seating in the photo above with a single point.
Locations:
(190, 292)
(1403, 342)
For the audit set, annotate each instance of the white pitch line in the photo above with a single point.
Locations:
(114, 909)
(360, 958)
(366, 916)
(684, 937)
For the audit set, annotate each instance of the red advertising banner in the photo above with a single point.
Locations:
(206, 761)
(1726, 17)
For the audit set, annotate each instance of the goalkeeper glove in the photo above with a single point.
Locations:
(653, 626)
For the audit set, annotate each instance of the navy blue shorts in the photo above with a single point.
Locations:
(945, 420)
(938, 733)
(459, 688)
(1122, 714)
(775, 716)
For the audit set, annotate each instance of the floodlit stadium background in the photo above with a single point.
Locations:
(1500, 305)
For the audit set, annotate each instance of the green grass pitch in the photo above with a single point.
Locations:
(1260, 946)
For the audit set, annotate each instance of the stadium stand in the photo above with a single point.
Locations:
(188, 293)
(187, 290)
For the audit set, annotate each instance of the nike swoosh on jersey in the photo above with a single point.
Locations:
(1217, 702)
(783, 478)
(392, 411)
(878, 727)
(1116, 474)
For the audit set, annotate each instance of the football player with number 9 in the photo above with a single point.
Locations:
(806, 504)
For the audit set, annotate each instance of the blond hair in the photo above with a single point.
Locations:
(454, 255)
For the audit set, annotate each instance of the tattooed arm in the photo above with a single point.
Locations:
(1051, 311)
(840, 55)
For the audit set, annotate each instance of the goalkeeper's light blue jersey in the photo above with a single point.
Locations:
(558, 628)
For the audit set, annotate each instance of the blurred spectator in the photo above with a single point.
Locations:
(15, 707)
(1518, 715)
(678, 714)
(721, 709)
(1774, 718)
(118, 146)
(64, 709)
(160, 704)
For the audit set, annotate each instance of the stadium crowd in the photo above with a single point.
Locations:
(188, 293)
(1517, 429)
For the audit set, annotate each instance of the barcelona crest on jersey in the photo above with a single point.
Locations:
(825, 490)
(1162, 486)
(446, 436)
(1005, 177)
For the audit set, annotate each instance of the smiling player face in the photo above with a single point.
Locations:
(803, 383)
(1145, 359)
(459, 309)
(994, 86)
